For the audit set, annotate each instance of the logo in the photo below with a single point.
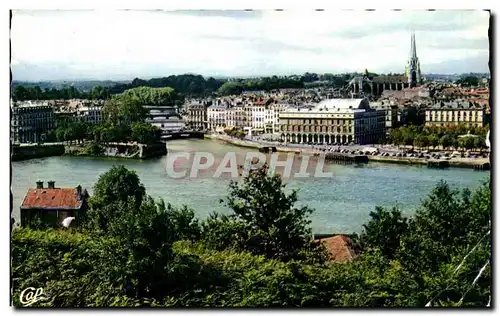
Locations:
(31, 295)
(193, 165)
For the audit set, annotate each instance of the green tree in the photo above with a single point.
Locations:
(433, 140)
(145, 133)
(275, 228)
(116, 185)
(479, 143)
(421, 141)
(94, 149)
(384, 231)
(230, 88)
(446, 141)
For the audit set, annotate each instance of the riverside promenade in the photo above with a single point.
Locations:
(457, 162)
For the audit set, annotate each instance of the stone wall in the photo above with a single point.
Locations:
(36, 151)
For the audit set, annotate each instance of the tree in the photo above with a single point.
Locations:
(396, 136)
(468, 81)
(446, 141)
(94, 149)
(145, 133)
(124, 109)
(165, 96)
(479, 143)
(20, 93)
(275, 228)
(421, 141)
(230, 88)
(116, 185)
(433, 140)
(384, 231)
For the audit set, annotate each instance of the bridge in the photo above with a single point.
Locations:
(166, 136)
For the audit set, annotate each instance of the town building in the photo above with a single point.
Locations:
(391, 114)
(272, 124)
(216, 114)
(52, 206)
(236, 117)
(31, 121)
(197, 115)
(334, 121)
(454, 113)
(91, 113)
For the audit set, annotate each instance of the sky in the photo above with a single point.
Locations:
(122, 45)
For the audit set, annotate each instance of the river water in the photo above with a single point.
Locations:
(342, 202)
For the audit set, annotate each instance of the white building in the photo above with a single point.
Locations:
(216, 114)
(334, 121)
(258, 118)
(90, 113)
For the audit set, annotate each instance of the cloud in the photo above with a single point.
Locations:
(112, 44)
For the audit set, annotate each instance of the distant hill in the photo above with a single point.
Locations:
(84, 85)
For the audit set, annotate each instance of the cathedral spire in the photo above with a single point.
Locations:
(413, 53)
(413, 66)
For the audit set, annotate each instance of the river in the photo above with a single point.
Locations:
(342, 202)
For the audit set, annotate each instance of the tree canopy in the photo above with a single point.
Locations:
(135, 251)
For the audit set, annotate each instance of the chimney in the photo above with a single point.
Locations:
(39, 184)
(51, 184)
(79, 192)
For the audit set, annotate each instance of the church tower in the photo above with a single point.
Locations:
(413, 65)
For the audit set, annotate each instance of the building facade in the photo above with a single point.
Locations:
(30, 122)
(334, 121)
(216, 114)
(90, 113)
(197, 116)
(53, 206)
(454, 113)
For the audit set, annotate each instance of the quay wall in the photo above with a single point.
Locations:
(455, 163)
(24, 152)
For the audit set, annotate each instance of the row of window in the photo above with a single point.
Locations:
(456, 119)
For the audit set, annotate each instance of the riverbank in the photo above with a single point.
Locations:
(120, 150)
(470, 163)
(114, 150)
(31, 151)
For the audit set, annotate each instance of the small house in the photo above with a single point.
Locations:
(51, 205)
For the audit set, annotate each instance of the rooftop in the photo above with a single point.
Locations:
(57, 198)
(339, 248)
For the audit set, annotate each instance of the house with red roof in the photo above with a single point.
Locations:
(340, 248)
(53, 206)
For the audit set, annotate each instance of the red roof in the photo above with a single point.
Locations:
(339, 248)
(59, 198)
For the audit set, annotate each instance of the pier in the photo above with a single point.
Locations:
(346, 158)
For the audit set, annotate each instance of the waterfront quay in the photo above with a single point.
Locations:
(373, 153)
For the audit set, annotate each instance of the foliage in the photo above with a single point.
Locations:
(136, 252)
(22, 93)
(384, 231)
(235, 133)
(145, 133)
(445, 136)
(230, 88)
(124, 108)
(273, 226)
(94, 149)
(468, 81)
(154, 96)
(116, 185)
(187, 84)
